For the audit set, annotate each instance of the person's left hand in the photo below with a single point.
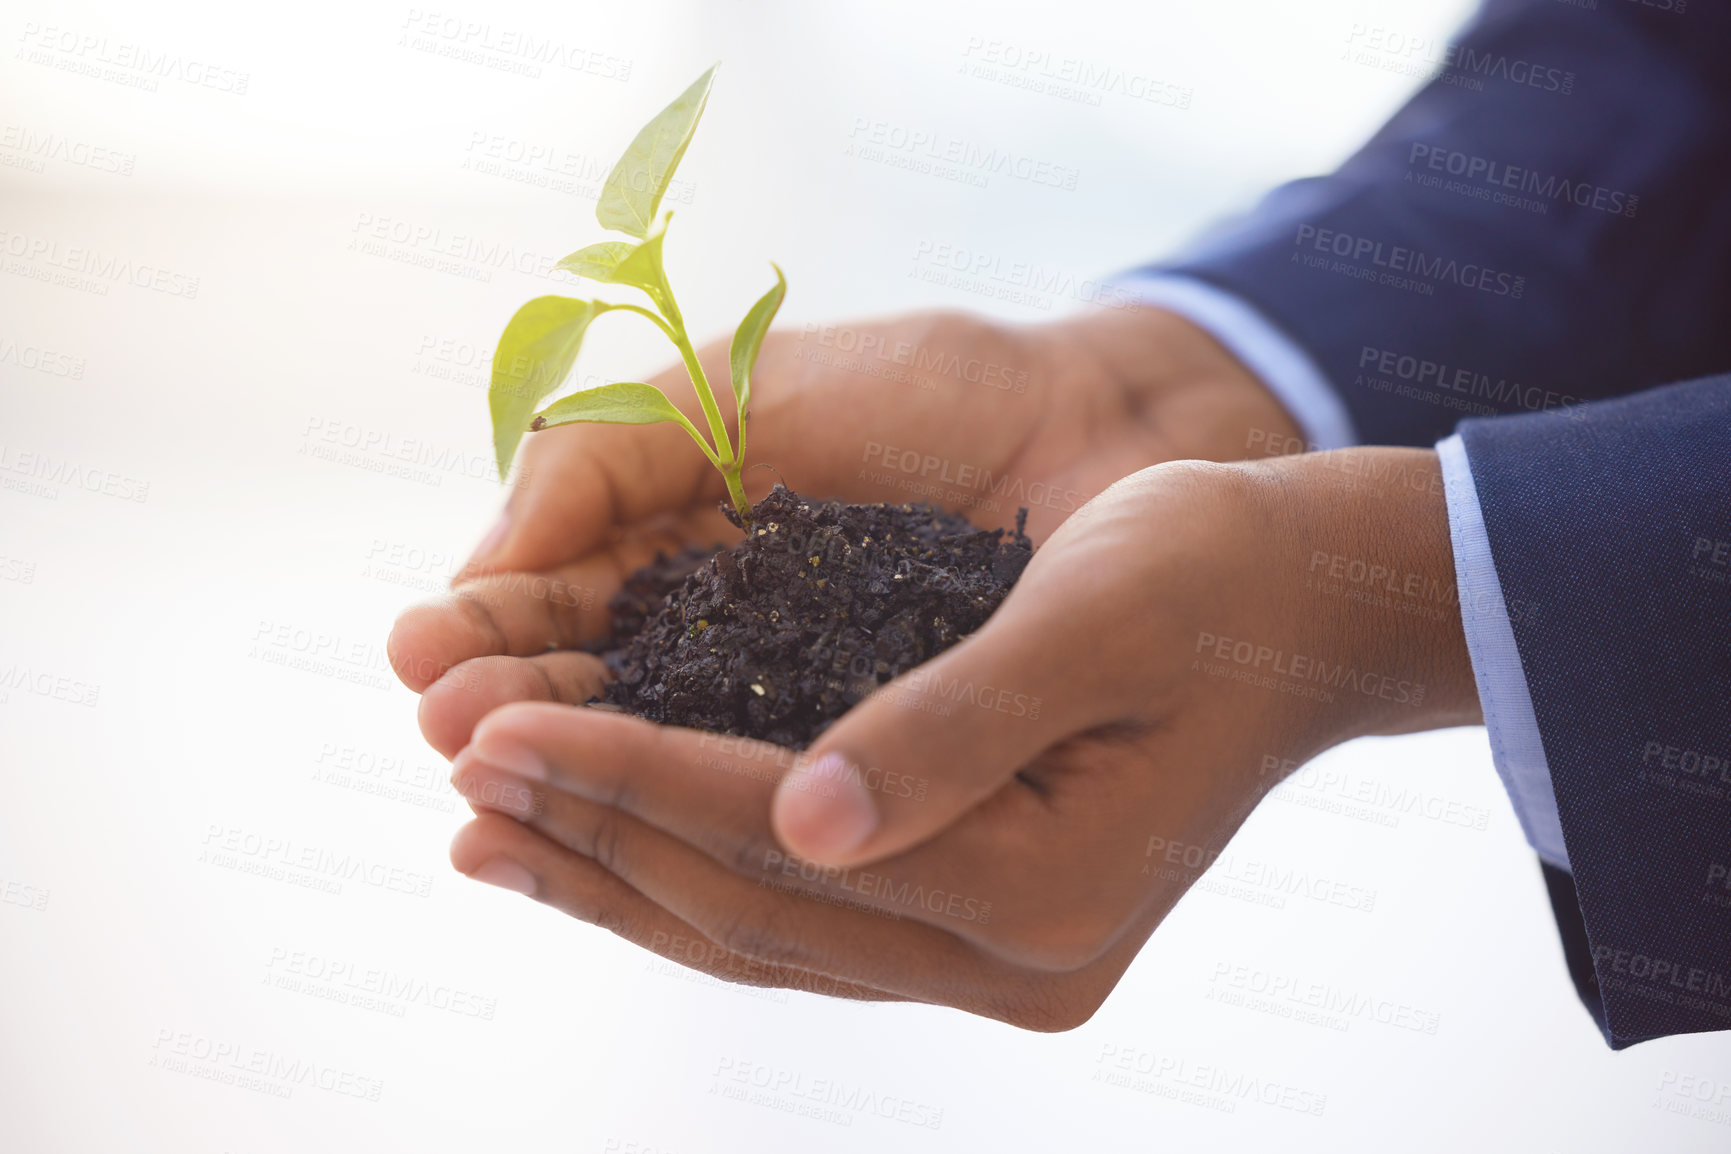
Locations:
(1001, 829)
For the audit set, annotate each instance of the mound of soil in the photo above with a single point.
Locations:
(822, 602)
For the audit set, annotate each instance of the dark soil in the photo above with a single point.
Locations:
(779, 635)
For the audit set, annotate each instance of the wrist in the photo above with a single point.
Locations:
(1369, 587)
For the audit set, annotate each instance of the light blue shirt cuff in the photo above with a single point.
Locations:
(1281, 365)
(1516, 748)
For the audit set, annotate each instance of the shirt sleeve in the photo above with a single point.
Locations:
(1513, 728)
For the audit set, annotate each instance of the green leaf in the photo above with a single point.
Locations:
(535, 354)
(598, 261)
(622, 403)
(747, 340)
(624, 262)
(637, 183)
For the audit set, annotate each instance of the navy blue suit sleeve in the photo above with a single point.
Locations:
(1613, 521)
(1546, 221)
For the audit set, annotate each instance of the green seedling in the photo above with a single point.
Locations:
(540, 344)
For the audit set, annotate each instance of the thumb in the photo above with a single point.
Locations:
(910, 759)
(577, 483)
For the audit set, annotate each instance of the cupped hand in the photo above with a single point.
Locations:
(1001, 829)
(972, 415)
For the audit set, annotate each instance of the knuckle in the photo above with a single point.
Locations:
(609, 917)
(757, 934)
(754, 856)
(477, 610)
(607, 842)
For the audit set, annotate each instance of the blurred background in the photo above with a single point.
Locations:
(254, 262)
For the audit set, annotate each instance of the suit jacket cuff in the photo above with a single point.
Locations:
(1516, 749)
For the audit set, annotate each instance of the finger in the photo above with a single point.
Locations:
(524, 613)
(966, 721)
(503, 853)
(579, 482)
(713, 793)
(452, 705)
(763, 920)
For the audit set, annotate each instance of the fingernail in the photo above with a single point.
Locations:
(495, 537)
(507, 875)
(823, 808)
(511, 756)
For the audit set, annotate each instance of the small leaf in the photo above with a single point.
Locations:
(626, 263)
(634, 188)
(535, 354)
(641, 268)
(747, 340)
(598, 261)
(622, 403)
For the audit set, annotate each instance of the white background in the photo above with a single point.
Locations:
(139, 972)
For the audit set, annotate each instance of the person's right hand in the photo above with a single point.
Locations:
(969, 414)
